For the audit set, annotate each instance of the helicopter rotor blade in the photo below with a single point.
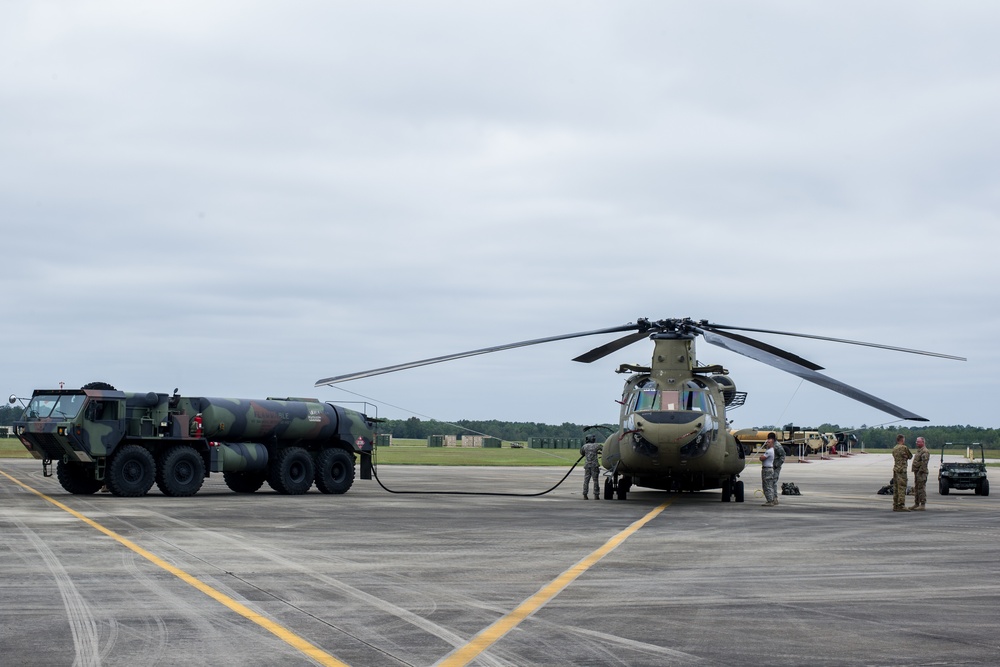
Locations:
(471, 353)
(780, 362)
(715, 327)
(613, 346)
(760, 345)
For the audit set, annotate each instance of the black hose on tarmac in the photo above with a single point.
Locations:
(475, 493)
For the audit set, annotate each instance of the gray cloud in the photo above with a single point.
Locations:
(240, 198)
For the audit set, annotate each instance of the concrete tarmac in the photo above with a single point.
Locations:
(830, 577)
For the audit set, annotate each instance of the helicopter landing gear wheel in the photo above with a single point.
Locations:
(609, 488)
(727, 490)
(624, 486)
(738, 491)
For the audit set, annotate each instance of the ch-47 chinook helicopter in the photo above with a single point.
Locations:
(672, 431)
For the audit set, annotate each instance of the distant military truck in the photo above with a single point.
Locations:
(794, 440)
(964, 475)
(98, 436)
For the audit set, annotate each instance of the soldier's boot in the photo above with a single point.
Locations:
(774, 502)
(913, 508)
(597, 494)
(900, 509)
(585, 496)
(918, 508)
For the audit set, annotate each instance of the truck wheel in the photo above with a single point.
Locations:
(291, 472)
(334, 471)
(943, 487)
(131, 471)
(77, 479)
(244, 482)
(98, 385)
(984, 487)
(181, 472)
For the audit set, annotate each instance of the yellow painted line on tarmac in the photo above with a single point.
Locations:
(278, 631)
(490, 635)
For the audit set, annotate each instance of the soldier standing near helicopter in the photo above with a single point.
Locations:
(767, 474)
(592, 468)
(779, 460)
(900, 455)
(920, 460)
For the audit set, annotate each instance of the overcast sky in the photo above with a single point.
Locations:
(241, 198)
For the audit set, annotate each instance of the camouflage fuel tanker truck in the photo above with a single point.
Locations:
(98, 436)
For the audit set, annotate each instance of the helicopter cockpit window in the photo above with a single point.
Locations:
(646, 397)
(697, 398)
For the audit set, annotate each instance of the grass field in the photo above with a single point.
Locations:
(11, 448)
(474, 456)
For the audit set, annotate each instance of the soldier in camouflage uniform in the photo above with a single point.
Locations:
(592, 467)
(767, 474)
(779, 460)
(900, 455)
(919, 468)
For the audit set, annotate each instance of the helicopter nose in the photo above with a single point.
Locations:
(672, 431)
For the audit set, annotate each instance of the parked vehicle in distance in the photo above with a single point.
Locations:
(964, 475)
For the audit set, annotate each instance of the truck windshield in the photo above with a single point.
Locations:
(57, 406)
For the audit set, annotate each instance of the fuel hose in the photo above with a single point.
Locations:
(474, 493)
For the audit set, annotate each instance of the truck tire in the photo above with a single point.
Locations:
(984, 487)
(943, 487)
(98, 385)
(131, 471)
(181, 472)
(77, 479)
(291, 472)
(334, 471)
(244, 482)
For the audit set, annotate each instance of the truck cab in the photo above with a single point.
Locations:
(75, 424)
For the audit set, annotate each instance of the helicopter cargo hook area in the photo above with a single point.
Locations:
(672, 431)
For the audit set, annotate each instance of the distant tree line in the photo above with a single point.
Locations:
(9, 414)
(516, 431)
(878, 437)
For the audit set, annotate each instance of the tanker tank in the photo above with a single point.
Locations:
(242, 420)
